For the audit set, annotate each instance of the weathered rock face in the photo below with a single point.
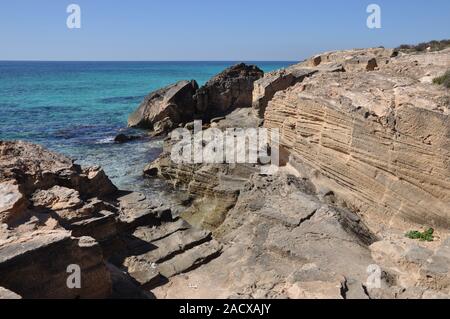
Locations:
(32, 167)
(367, 138)
(356, 60)
(183, 102)
(380, 139)
(282, 242)
(12, 202)
(423, 268)
(44, 196)
(266, 87)
(213, 188)
(30, 267)
(228, 90)
(54, 214)
(166, 108)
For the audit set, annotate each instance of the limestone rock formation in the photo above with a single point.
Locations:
(379, 140)
(171, 105)
(277, 246)
(365, 157)
(56, 214)
(228, 90)
(364, 137)
(273, 82)
(183, 102)
(29, 266)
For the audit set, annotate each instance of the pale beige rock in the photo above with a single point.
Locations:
(12, 201)
(315, 290)
(174, 102)
(379, 140)
(8, 294)
(266, 87)
(65, 202)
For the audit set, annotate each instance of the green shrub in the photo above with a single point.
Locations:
(425, 236)
(433, 45)
(443, 80)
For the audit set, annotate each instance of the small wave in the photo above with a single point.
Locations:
(106, 140)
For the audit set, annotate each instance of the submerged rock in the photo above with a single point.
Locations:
(123, 138)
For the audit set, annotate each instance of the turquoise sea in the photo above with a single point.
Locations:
(77, 108)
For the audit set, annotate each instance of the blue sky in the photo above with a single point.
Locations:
(229, 30)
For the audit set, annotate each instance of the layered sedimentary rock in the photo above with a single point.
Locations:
(366, 137)
(44, 195)
(365, 157)
(212, 188)
(378, 139)
(266, 87)
(283, 239)
(36, 266)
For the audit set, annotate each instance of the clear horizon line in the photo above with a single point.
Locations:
(295, 61)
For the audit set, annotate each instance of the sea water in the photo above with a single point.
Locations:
(77, 108)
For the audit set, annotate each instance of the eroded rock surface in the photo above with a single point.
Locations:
(183, 102)
(166, 108)
(367, 156)
(228, 90)
(378, 139)
(364, 158)
(55, 215)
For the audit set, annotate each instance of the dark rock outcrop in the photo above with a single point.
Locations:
(123, 138)
(183, 102)
(228, 90)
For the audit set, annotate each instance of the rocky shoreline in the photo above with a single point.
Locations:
(364, 158)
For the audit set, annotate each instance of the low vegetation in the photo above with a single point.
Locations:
(443, 80)
(424, 46)
(425, 236)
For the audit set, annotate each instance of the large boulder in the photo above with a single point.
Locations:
(172, 104)
(228, 90)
